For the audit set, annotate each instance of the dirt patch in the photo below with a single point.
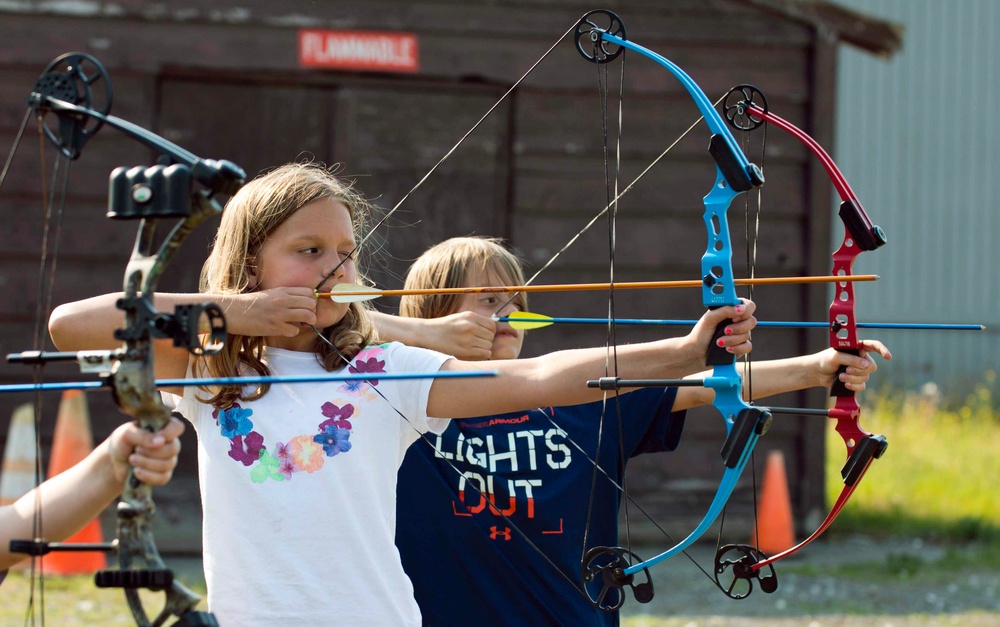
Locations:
(853, 581)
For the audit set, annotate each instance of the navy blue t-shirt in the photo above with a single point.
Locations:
(468, 564)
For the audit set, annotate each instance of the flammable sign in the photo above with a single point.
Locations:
(359, 50)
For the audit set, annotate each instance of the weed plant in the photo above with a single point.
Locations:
(937, 480)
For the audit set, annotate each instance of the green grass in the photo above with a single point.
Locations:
(937, 480)
(74, 600)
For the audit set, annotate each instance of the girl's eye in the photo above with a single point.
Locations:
(309, 250)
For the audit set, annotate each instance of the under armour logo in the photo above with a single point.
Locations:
(496, 533)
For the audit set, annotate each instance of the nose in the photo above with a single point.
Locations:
(335, 270)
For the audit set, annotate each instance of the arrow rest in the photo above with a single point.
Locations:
(605, 566)
(735, 572)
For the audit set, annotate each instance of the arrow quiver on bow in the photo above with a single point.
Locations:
(181, 187)
(738, 565)
(600, 38)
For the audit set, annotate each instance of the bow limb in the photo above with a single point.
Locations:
(746, 109)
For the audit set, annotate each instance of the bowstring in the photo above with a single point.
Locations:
(611, 348)
(482, 493)
(54, 204)
(751, 216)
(607, 208)
(448, 154)
(612, 205)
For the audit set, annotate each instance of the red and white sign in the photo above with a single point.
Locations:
(359, 50)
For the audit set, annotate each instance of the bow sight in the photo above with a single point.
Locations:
(183, 187)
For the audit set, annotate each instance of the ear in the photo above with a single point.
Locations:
(253, 278)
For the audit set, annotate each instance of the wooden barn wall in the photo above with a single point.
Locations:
(225, 83)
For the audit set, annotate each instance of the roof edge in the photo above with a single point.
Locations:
(871, 34)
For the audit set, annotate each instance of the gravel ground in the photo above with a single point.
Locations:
(854, 581)
(843, 582)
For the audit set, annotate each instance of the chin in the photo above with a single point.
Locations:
(330, 317)
(505, 352)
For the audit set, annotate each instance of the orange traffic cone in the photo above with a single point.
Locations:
(774, 531)
(17, 476)
(71, 443)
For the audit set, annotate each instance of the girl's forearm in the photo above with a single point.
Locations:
(68, 501)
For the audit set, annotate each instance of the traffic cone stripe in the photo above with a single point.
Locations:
(17, 476)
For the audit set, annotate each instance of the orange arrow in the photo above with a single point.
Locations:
(349, 292)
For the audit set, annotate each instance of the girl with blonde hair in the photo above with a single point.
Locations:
(480, 484)
(298, 481)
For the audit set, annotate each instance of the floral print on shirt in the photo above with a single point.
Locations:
(302, 453)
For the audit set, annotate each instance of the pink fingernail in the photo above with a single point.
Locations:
(721, 342)
(740, 308)
(729, 331)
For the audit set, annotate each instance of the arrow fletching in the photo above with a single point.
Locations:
(526, 320)
(356, 293)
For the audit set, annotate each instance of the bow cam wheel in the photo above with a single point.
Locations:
(736, 107)
(589, 41)
(70, 88)
(735, 572)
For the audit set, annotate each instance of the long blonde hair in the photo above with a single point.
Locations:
(250, 217)
(450, 264)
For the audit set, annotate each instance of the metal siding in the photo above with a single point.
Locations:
(916, 137)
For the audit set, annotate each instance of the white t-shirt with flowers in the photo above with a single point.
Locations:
(299, 492)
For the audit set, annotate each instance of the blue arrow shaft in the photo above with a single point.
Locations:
(166, 383)
(768, 323)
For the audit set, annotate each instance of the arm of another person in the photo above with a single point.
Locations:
(560, 378)
(465, 335)
(796, 373)
(76, 496)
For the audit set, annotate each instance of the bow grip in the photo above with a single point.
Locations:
(717, 355)
(838, 389)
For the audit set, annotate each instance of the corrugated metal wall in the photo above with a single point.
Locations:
(918, 137)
